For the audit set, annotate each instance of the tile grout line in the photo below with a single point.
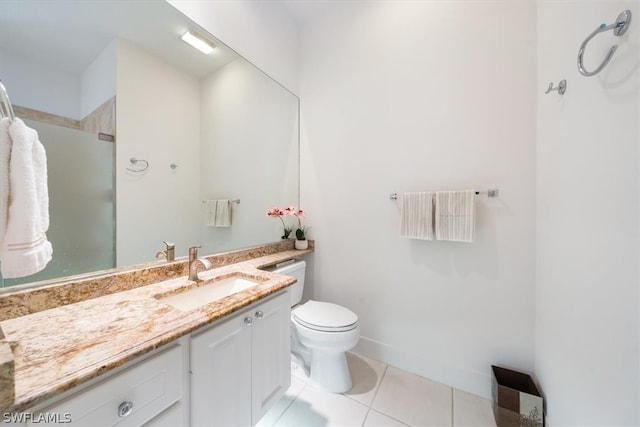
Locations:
(386, 366)
(289, 405)
(283, 412)
(364, 421)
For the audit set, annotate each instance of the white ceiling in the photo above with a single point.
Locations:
(303, 10)
(69, 34)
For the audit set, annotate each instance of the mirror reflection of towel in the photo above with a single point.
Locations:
(5, 155)
(218, 213)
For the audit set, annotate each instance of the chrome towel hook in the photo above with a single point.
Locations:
(619, 28)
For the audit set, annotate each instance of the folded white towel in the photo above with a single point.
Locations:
(417, 216)
(25, 249)
(455, 215)
(5, 154)
(218, 213)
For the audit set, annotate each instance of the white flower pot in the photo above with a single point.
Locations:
(302, 244)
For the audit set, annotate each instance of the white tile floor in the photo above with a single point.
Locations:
(381, 396)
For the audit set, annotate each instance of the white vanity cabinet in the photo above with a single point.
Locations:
(146, 392)
(241, 366)
(226, 374)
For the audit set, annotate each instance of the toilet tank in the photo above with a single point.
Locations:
(295, 268)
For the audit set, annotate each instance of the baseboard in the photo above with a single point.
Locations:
(470, 381)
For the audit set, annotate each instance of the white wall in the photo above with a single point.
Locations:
(98, 80)
(393, 98)
(257, 164)
(259, 30)
(158, 116)
(34, 85)
(411, 96)
(587, 219)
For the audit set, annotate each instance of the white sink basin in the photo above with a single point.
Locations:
(196, 296)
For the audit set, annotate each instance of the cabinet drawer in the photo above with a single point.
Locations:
(150, 387)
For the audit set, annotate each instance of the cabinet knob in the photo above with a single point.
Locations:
(125, 409)
(259, 314)
(248, 320)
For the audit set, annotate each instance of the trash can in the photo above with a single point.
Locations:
(516, 399)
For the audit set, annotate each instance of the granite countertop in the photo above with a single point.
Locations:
(57, 348)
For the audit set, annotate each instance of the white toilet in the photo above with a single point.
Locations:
(321, 333)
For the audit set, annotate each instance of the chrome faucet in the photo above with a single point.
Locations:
(170, 253)
(197, 264)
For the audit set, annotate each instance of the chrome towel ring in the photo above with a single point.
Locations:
(619, 28)
(135, 161)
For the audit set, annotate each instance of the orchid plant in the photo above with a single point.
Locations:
(299, 213)
(276, 212)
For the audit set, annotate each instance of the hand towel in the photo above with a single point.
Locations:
(455, 215)
(219, 213)
(25, 249)
(417, 216)
(5, 154)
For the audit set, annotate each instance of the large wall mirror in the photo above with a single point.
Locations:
(145, 135)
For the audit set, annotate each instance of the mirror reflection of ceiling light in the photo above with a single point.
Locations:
(198, 41)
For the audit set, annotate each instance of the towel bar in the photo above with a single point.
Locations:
(232, 201)
(492, 192)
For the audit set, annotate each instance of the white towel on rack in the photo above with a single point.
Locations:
(416, 220)
(25, 248)
(219, 213)
(455, 215)
(5, 154)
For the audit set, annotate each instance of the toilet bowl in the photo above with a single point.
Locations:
(321, 333)
(328, 336)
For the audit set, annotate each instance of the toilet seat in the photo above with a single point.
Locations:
(325, 317)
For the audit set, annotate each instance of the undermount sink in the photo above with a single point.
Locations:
(198, 295)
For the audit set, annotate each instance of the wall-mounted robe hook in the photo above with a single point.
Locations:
(561, 88)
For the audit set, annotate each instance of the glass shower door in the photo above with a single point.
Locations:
(81, 202)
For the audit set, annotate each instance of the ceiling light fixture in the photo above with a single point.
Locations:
(199, 42)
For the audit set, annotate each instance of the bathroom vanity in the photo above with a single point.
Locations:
(130, 357)
(240, 367)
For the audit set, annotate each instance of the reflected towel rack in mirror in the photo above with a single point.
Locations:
(135, 161)
(619, 28)
(236, 201)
